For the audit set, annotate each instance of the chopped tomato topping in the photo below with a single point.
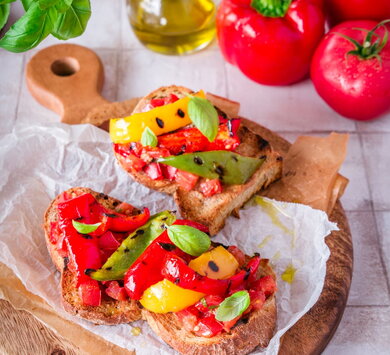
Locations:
(153, 170)
(266, 284)
(238, 254)
(186, 181)
(90, 293)
(115, 291)
(211, 187)
(108, 242)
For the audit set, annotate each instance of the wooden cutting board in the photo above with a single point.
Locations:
(310, 335)
(54, 86)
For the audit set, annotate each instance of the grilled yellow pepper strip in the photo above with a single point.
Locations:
(160, 120)
(165, 296)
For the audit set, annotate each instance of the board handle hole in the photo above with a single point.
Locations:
(65, 66)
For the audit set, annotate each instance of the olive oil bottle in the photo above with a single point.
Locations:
(173, 26)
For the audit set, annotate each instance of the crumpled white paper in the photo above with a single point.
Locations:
(39, 162)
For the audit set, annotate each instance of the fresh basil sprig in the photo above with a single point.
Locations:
(149, 138)
(64, 19)
(85, 228)
(233, 306)
(189, 239)
(204, 116)
(4, 11)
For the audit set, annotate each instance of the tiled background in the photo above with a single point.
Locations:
(132, 71)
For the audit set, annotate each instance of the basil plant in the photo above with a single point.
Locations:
(63, 19)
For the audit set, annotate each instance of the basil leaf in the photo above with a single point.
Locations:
(189, 239)
(233, 306)
(63, 5)
(4, 13)
(27, 4)
(149, 138)
(204, 116)
(26, 33)
(45, 4)
(73, 22)
(3, 2)
(85, 228)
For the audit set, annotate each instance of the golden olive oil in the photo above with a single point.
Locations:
(173, 26)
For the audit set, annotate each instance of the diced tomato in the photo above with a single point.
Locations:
(122, 149)
(108, 242)
(208, 326)
(157, 102)
(189, 140)
(128, 223)
(210, 187)
(61, 246)
(188, 318)
(257, 299)
(116, 292)
(90, 292)
(266, 284)
(171, 99)
(132, 162)
(76, 207)
(208, 303)
(230, 324)
(125, 208)
(186, 181)
(169, 172)
(153, 170)
(105, 254)
(149, 154)
(54, 232)
(238, 254)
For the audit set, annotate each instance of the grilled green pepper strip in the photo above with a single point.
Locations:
(132, 247)
(231, 168)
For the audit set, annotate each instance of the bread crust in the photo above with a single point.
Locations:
(243, 338)
(213, 211)
(110, 311)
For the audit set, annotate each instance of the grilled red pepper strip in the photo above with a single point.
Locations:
(177, 271)
(146, 270)
(76, 207)
(189, 140)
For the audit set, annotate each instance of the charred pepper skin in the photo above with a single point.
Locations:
(231, 168)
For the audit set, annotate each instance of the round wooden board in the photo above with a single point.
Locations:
(310, 334)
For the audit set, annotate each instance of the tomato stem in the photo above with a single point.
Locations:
(372, 44)
(271, 8)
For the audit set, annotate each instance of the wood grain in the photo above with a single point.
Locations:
(310, 335)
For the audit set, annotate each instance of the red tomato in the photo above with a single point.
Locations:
(90, 293)
(270, 50)
(186, 181)
(344, 10)
(153, 170)
(355, 87)
(210, 187)
(116, 292)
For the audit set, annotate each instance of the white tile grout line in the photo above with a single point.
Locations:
(371, 209)
(20, 87)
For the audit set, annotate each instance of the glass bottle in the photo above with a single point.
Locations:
(173, 26)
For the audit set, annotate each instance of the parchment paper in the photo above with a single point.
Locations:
(38, 162)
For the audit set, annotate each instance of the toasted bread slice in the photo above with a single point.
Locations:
(212, 211)
(110, 311)
(257, 330)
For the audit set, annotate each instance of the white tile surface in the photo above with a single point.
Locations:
(295, 108)
(383, 220)
(376, 148)
(382, 124)
(11, 69)
(362, 331)
(131, 70)
(141, 71)
(369, 286)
